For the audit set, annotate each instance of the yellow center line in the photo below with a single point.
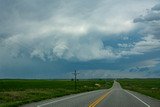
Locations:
(99, 100)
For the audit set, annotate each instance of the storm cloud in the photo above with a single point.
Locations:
(76, 32)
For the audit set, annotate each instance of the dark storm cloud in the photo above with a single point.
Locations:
(152, 16)
(59, 36)
(150, 22)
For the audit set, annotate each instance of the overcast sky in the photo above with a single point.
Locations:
(98, 38)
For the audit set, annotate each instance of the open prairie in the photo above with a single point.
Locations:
(150, 87)
(18, 92)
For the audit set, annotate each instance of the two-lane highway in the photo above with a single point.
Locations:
(114, 97)
(122, 98)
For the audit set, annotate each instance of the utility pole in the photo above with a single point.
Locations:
(75, 79)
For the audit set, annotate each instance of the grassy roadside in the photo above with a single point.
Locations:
(149, 87)
(17, 92)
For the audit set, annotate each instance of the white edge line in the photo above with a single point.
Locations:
(65, 98)
(137, 98)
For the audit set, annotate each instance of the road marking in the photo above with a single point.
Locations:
(44, 104)
(99, 99)
(137, 98)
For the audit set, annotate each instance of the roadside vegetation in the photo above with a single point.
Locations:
(18, 92)
(149, 87)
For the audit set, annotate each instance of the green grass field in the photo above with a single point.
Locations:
(17, 92)
(149, 87)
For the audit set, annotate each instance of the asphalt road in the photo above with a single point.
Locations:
(114, 97)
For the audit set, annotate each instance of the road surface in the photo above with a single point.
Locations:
(114, 97)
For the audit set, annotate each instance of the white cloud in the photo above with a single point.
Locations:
(67, 31)
(156, 7)
(147, 44)
(150, 22)
(124, 45)
(100, 73)
(149, 63)
(38, 53)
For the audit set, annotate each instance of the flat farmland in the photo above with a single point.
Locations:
(15, 92)
(149, 87)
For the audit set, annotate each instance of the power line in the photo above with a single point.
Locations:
(75, 79)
